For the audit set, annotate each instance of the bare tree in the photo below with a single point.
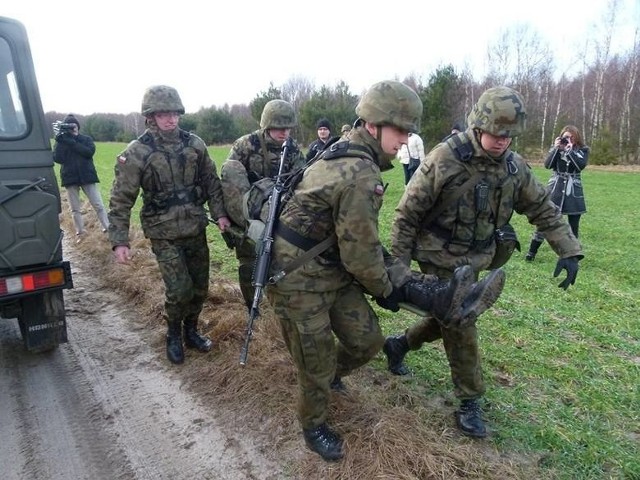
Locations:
(522, 59)
(297, 90)
(603, 50)
(632, 64)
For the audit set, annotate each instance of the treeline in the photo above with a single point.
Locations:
(603, 101)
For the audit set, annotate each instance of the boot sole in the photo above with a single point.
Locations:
(202, 350)
(204, 345)
(489, 295)
(177, 361)
(469, 433)
(328, 456)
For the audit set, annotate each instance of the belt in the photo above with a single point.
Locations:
(444, 234)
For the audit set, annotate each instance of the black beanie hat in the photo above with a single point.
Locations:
(71, 119)
(323, 122)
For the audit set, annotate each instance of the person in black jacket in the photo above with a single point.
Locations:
(567, 158)
(74, 152)
(324, 134)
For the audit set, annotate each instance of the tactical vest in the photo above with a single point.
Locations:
(260, 148)
(255, 202)
(463, 150)
(157, 201)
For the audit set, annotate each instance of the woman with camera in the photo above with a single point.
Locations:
(567, 158)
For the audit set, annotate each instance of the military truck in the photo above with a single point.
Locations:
(33, 273)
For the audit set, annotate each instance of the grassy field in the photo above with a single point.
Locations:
(562, 368)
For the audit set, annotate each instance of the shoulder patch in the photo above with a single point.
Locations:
(122, 159)
(378, 190)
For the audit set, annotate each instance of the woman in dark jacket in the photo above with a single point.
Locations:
(568, 157)
(74, 152)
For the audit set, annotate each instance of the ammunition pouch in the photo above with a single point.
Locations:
(506, 242)
(255, 207)
(256, 198)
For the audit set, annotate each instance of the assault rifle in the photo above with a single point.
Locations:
(263, 258)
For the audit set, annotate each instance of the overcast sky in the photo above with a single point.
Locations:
(99, 56)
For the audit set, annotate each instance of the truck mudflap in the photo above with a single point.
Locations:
(42, 322)
(35, 296)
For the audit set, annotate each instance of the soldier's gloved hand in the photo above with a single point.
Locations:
(570, 264)
(392, 301)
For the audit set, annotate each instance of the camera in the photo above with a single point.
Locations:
(61, 127)
(564, 141)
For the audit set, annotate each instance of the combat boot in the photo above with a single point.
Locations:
(324, 441)
(175, 352)
(395, 348)
(442, 299)
(469, 419)
(533, 249)
(482, 296)
(192, 339)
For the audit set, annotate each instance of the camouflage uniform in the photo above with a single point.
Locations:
(464, 233)
(252, 158)
(342, 197)
(339, 196)
(177, 177)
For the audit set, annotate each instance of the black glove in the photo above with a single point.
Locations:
(570, 264)
(391, 302)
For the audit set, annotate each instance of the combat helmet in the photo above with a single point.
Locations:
(499, 111)
(391, 103)
(278, 114)
(161, 98)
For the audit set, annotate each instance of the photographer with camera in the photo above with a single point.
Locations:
(74, 152)
(567, 158)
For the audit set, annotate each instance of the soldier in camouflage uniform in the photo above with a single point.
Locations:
(177, 177)
(340, 196)
(464, 232)
(252, 158)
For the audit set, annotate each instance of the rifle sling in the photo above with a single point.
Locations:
(312, 250)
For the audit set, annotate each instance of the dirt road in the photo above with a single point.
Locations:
(107, 406)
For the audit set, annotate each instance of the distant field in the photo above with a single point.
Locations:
(562, 367)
